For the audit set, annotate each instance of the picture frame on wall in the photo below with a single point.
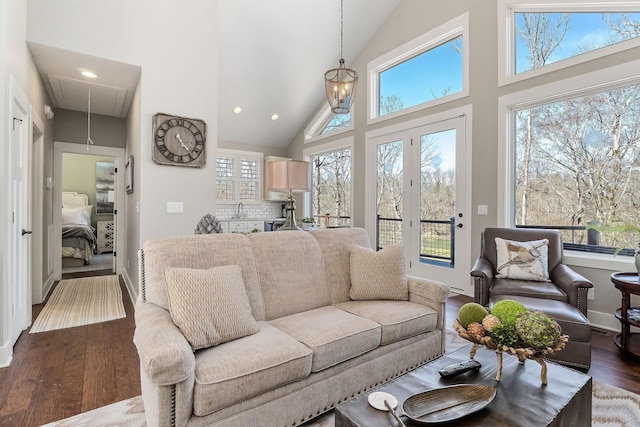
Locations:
(128, 180)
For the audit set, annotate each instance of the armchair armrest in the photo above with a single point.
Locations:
(165, 355)
(574, 284)
(482, 273)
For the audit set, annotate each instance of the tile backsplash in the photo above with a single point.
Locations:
(266, 210)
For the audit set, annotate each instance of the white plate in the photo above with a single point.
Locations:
(377, 399)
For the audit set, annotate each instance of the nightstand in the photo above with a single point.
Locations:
(105, 236)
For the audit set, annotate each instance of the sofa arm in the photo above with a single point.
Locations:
(427, 289)
(165, 355)
(482, 273)
(575, 285)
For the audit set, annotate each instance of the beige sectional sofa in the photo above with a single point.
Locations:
(315, 347)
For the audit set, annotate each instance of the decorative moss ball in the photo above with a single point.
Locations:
(507, 310)
(537, 330)
(471, 312)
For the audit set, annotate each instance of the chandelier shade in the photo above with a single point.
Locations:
(340, 83)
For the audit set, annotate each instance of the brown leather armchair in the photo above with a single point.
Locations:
(563, 297)
(565, 284)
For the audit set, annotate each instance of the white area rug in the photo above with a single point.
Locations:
(611, 407)
(77, 302)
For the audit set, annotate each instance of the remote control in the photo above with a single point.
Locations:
(459, 368)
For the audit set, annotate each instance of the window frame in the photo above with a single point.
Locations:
(237, 155)
(320, 121)
(458, 26)
(597, 81)
(506, 33)
(339, 144)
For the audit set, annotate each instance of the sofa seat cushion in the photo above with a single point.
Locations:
(332, 334)
(243, 368)
(398, 319)
(545, 290)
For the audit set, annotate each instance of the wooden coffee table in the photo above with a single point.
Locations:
(521, 398)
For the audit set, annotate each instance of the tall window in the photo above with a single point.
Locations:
(578, 164)
(331, 189)
(238, 176)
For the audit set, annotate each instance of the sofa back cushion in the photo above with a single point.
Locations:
(202, 251)
(335, 244)
(291, 272)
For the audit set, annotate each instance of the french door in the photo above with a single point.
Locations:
(421, 198)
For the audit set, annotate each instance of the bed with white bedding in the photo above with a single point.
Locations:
(78, 236)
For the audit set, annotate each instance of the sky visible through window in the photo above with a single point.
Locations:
(585, 32)
(430, 75)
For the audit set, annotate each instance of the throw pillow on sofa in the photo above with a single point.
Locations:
(210, 307)
(378, 275)
(523, 260)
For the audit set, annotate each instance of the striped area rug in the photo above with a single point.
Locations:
(77, 302)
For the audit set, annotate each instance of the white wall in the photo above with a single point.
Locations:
(15, 60)
(179, 76)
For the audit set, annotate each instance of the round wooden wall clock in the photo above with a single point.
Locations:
(179, 141)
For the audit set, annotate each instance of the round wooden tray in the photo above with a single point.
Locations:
(521, 353)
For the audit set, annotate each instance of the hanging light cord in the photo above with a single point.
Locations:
(341, 28)
(89, 141)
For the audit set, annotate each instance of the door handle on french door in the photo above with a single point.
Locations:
(26, 232)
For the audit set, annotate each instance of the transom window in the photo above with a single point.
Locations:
(427, 71)
(539, 36)
(326, 123)
(430, 75)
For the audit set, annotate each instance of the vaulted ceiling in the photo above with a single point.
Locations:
(272, 59)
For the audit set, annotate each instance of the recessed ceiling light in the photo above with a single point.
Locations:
(89, 74)
(274, 117)
(237, 110)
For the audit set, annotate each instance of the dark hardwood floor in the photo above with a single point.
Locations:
(61, 373)
(57, 374)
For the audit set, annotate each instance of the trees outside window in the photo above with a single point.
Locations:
(331, 187)
(577, 160)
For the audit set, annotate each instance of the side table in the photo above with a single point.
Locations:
(627, 342)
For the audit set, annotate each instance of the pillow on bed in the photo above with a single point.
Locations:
(74, 216)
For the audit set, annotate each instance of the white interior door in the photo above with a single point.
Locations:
(20, 226)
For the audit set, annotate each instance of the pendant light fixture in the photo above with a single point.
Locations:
(340, 83)
(89, 141)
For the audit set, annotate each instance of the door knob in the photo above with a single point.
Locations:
(26, 232)
(459, 225)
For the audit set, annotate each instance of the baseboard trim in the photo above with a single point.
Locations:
(46, 288)
(133, 290)
(6, 355)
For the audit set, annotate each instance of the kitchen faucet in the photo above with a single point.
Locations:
(240, 206)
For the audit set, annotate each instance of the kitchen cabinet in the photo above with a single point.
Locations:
(242, 226)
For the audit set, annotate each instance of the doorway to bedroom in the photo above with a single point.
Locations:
(87, 193)
(88, 201)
